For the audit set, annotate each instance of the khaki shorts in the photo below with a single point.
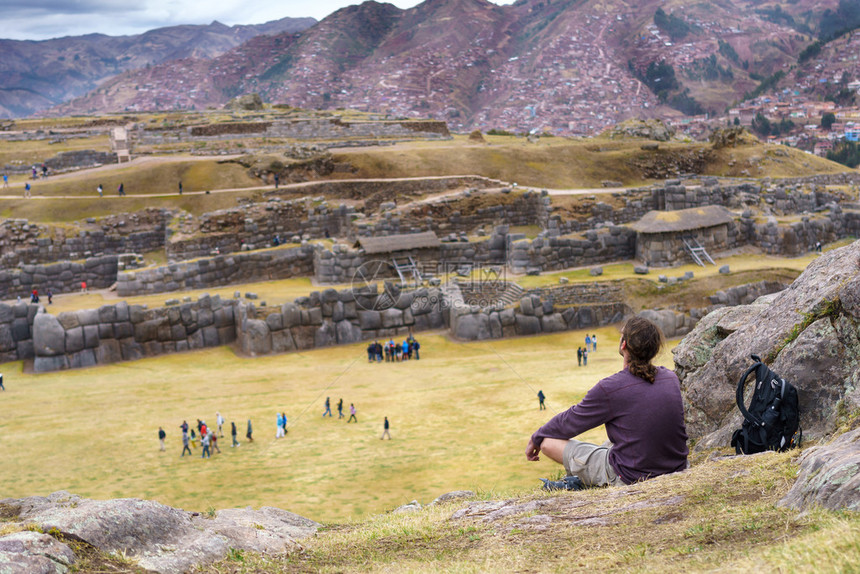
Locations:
(590, 463)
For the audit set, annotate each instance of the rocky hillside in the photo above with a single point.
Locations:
(565, 66)
(37, 75)
(808, 334)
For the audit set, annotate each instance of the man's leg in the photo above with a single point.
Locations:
(553, 448)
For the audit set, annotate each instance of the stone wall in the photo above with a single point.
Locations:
(65, 161)
(22, 242)
(302, 129)
(241, 267)
(667, 249)
(335, 317)
(581, 293)
(62, 277)
(745, 294)
(461, 214)
(340, 264)
(533, 316)
(799, 237)
(16, 331)
(615, 243)
(125, 332)
(254, 226)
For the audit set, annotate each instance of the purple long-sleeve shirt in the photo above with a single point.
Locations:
(644, 421)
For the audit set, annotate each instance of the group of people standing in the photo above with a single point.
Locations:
(120, 190)
(590, 347)
(394, 352)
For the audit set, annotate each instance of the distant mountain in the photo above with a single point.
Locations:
(36, 75)
(560, 66)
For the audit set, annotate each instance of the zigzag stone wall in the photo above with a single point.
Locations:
(125, 332)
(616, 243)
(16, 331)
(62, 277)
(241, 267)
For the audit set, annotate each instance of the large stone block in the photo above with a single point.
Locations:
(347, 333)
(369, 320)
(553, 323)
(527, 325)
(304, 336)
(50, 364)
(195, 340)
(473, 327)
(108, 352)
(74, 340)
(326, 335)
(7, 342)
(282, 341)
(392, 318)
(88, 316)
(131, 349)
(145, 331)
(256, 339)
(275, 321)
(315, 316)
(82, 359)
(91, 336)
(6, 313)
(69, 319)
(210, 336)
(49, 337)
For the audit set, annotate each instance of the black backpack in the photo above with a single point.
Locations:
(772, 421)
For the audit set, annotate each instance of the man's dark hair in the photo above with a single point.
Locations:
(644, 340)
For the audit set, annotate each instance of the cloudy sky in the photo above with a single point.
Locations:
(42, 19)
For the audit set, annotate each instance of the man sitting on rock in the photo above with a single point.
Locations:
(643, 412)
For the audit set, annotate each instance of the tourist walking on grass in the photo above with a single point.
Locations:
(100, 190)
(5, 180)
(643, 413)
(284, 417)
(185, 441)
(249, 434)
(585, 357)
(193, 439)
(180, 188)
(340, 408)
(541, 398)
(587, 341)
(121, 190)
(213, 440)
(279, 432)
(2, 388)
(352, 416)
(27, 189)
(161, 436)
(385, 432)
(327, 407)
(416, 346)
(579, 356)
(594, 342)
(233, 433)
(204, 441)
(219, 420)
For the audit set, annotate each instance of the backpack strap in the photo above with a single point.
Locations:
(739, 396)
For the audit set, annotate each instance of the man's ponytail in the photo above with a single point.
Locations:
(644, 340)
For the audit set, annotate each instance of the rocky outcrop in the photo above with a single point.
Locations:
(155, 536)
(809, 334)
(829, 476)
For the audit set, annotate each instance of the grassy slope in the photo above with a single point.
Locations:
(455, 415)
(564, 163)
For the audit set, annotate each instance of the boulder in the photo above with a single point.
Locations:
(829, 476)
(595, 271)
(527, 325)
(29, 551)
(347, 333)
(158, 537)
(255, 339)
(807, 333)
(640, 269)
(474, 327)
(49, 337)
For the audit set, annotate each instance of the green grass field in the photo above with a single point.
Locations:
(460, 418)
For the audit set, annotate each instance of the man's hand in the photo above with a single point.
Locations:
(532, 452)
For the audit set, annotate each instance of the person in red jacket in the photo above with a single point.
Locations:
(642, 409)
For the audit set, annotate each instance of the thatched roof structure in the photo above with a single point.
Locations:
(392, 243)
(683, 219)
